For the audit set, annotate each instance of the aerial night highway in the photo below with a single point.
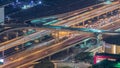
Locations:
(59, 33)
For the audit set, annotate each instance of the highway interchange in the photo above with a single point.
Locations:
(25, 59)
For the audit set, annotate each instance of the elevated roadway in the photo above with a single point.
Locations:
(88, 15)
(114, 5)
(65, 16)
(4, 46)
(57, 18)
(11, 64)
(48, 50)
(45, 52)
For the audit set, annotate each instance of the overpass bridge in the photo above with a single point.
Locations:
(53, 28)
(44, 53)
(58, 45)
(81, 18)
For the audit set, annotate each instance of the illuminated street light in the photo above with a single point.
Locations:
(1, 61)
(36, 41)
(24, 31)
(16, 48)
(5, 38)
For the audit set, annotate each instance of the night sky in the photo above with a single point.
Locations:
(52, 7)
(48, 7)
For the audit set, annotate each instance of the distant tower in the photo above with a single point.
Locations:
(1, 15)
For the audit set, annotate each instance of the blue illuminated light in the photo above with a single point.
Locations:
(26, 6)
(108, 2)
(96, 30)
(31, 4)
(17, 1)
(32, 1)
(39, 2)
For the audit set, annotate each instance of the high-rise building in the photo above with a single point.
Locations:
(112, 44)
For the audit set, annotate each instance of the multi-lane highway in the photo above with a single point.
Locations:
(74, 13)
(49, 50)
(88, 15)
(23, 40)
(68, 15)
(65, 45)
(61, 17)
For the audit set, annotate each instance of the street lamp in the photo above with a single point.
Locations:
(24, 31)
(5, 38)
